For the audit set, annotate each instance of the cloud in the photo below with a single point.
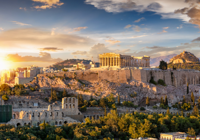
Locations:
(113, 41)
(101, 48)
(37, 38)
(21, 8)
(43, 57)
(165, 28)
(160, 7)
(127, 26)
(163, 31)
(50, 49)
(53, 31)
(139, 20)
(156, 51)
(48, 4)
(79, 53)
(1, 29)
(180, 27)
(22, 24)
(136, 28)
(79, 29)
(139, 36)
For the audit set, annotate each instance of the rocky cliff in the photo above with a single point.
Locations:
(184, 57)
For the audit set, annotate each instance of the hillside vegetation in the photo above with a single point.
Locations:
(110, 126)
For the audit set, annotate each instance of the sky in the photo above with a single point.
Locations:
(43, 32)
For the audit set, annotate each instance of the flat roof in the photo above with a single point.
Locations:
(173, 133)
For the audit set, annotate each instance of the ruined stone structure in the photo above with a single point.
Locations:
(54, 115)
(118, 60)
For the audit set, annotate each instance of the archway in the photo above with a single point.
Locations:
(65, 122)
(60, 123)
(56, 123)
(18, 124)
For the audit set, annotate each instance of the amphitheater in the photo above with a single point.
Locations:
(67, 112)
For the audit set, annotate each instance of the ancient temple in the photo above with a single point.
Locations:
(118, 60)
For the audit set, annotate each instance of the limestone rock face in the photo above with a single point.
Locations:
(184, 57)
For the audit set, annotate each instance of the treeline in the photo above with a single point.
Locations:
(16, 90)
(195, 66)
(125, 126)
(108, 102)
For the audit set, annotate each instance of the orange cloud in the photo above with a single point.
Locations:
(48, 4)
(43, 57)
(113, 41)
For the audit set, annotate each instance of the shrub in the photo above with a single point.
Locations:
(83, 108)
(154, 107)
(142, 109)
(128, 104)
(5, 97)
(93, 103)
(161, 82)
(153, 82)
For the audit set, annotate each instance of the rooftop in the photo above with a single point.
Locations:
(173, 133)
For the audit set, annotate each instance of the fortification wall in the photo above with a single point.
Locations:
(175, 78)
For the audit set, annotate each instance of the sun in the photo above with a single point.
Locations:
(3, 64)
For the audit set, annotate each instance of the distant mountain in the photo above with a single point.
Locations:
(184, 57)
(156, 61)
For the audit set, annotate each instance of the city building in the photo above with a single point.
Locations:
(172, 135)
(118, 60)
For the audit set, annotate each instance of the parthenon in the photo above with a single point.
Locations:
(118, 60)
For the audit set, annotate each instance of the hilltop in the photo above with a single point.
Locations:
(185, 60)
(69, 63)
(184, 57)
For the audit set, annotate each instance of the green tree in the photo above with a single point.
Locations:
(111, 98)
(80, 100)
(5, 97)
(57, 137)
(166, 101)
(168, 112)
(163, 65)
(102, 103)
(195, 111)
(184, 101)
(147, 101)
(161, 100)
(192, 97)
(191, 132)
(105, 112)
(54, 96)
(118, 100)
(51, 93)
(199, 103)
(64, 93)
(5, 87)
(187, 88)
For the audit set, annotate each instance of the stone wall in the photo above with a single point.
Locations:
(54, 115)
(171, 77)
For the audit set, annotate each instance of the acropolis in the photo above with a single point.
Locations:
(118, 60)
